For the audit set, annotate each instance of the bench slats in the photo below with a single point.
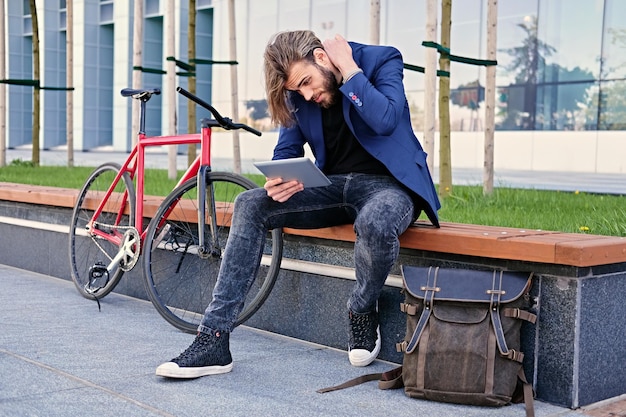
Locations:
(36, 194)
(541, 246)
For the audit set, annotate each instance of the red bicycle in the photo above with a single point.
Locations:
(182, 244)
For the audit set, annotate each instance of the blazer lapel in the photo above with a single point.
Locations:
(310, 120)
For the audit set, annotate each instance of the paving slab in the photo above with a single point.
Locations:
(60, 356)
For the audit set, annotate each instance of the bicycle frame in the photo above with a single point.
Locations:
(182, 245)
(135, 167)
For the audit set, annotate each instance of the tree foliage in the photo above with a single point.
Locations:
(258, 109)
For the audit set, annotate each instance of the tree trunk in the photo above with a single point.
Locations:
(375, 22)
(191, 55)
(36, 89)
(137, 62)
(430, 83)
(3, 92)
(170, 85)
(69, 80)
(490, 96)
(445, 164)
(234, 85)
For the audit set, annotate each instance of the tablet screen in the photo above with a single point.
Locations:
(301, 169)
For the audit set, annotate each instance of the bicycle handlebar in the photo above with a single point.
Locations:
(224, 122)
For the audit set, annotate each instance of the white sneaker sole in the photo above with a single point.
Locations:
(172, 370)
(362, 357)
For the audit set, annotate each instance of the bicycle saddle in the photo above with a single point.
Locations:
(144, 94)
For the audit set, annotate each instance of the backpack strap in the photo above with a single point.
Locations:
(496, 292)
(387, 380)
(353, 382)
(526, 394)
(518, 313)
(429, 296)
(494, 310)
(391, 379)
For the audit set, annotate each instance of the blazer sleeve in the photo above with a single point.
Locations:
(377, 94)
(290, 143)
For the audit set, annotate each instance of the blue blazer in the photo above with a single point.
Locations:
(377, 113)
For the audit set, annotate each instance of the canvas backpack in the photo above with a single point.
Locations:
(462, 342)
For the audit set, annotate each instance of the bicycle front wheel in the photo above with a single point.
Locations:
(90, 254)
(179, 278)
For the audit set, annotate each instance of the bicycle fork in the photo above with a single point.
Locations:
(206, 199)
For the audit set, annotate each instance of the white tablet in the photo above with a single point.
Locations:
(301, 169)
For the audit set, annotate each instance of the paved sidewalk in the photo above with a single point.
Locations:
(60, 356)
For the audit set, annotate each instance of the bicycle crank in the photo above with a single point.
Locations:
(129, 250)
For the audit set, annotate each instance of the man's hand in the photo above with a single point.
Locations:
(340, 54)
(281, 191)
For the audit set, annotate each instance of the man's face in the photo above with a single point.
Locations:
(314, 82)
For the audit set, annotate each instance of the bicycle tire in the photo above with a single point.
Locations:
(85, 250)
(180, 286)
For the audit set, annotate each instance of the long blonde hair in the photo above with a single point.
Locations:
(283, 50)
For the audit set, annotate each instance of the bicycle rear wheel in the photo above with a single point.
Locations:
(179, 280)
(89, 254)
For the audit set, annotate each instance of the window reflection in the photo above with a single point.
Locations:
(559, 67)
(611, 101)
(562, 106)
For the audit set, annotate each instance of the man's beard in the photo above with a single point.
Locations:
(331, 86)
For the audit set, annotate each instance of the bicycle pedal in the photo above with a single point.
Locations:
(97, 274)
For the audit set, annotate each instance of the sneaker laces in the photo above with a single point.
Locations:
(363, 331)
(201, 345)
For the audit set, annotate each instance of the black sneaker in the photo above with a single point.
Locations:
(364, 338)
(209, 354)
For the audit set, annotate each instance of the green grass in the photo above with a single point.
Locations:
(537, 209)
(156, 180)
(508, 207)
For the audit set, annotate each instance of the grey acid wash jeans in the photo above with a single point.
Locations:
(380, 208)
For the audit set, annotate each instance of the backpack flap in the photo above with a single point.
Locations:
(464, 285)
(434, 284)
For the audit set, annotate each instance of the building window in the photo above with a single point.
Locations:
(62, 15)
(106, 11)
(555, 76)
(610, 96)
(203, 4)
(152, 8)
(27, 27)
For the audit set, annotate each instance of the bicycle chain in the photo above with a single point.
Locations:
(125, 266)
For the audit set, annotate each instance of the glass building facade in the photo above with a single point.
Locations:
(561, 63)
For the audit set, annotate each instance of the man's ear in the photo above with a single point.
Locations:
(321, 57)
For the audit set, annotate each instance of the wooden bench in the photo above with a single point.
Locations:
(574, 249)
